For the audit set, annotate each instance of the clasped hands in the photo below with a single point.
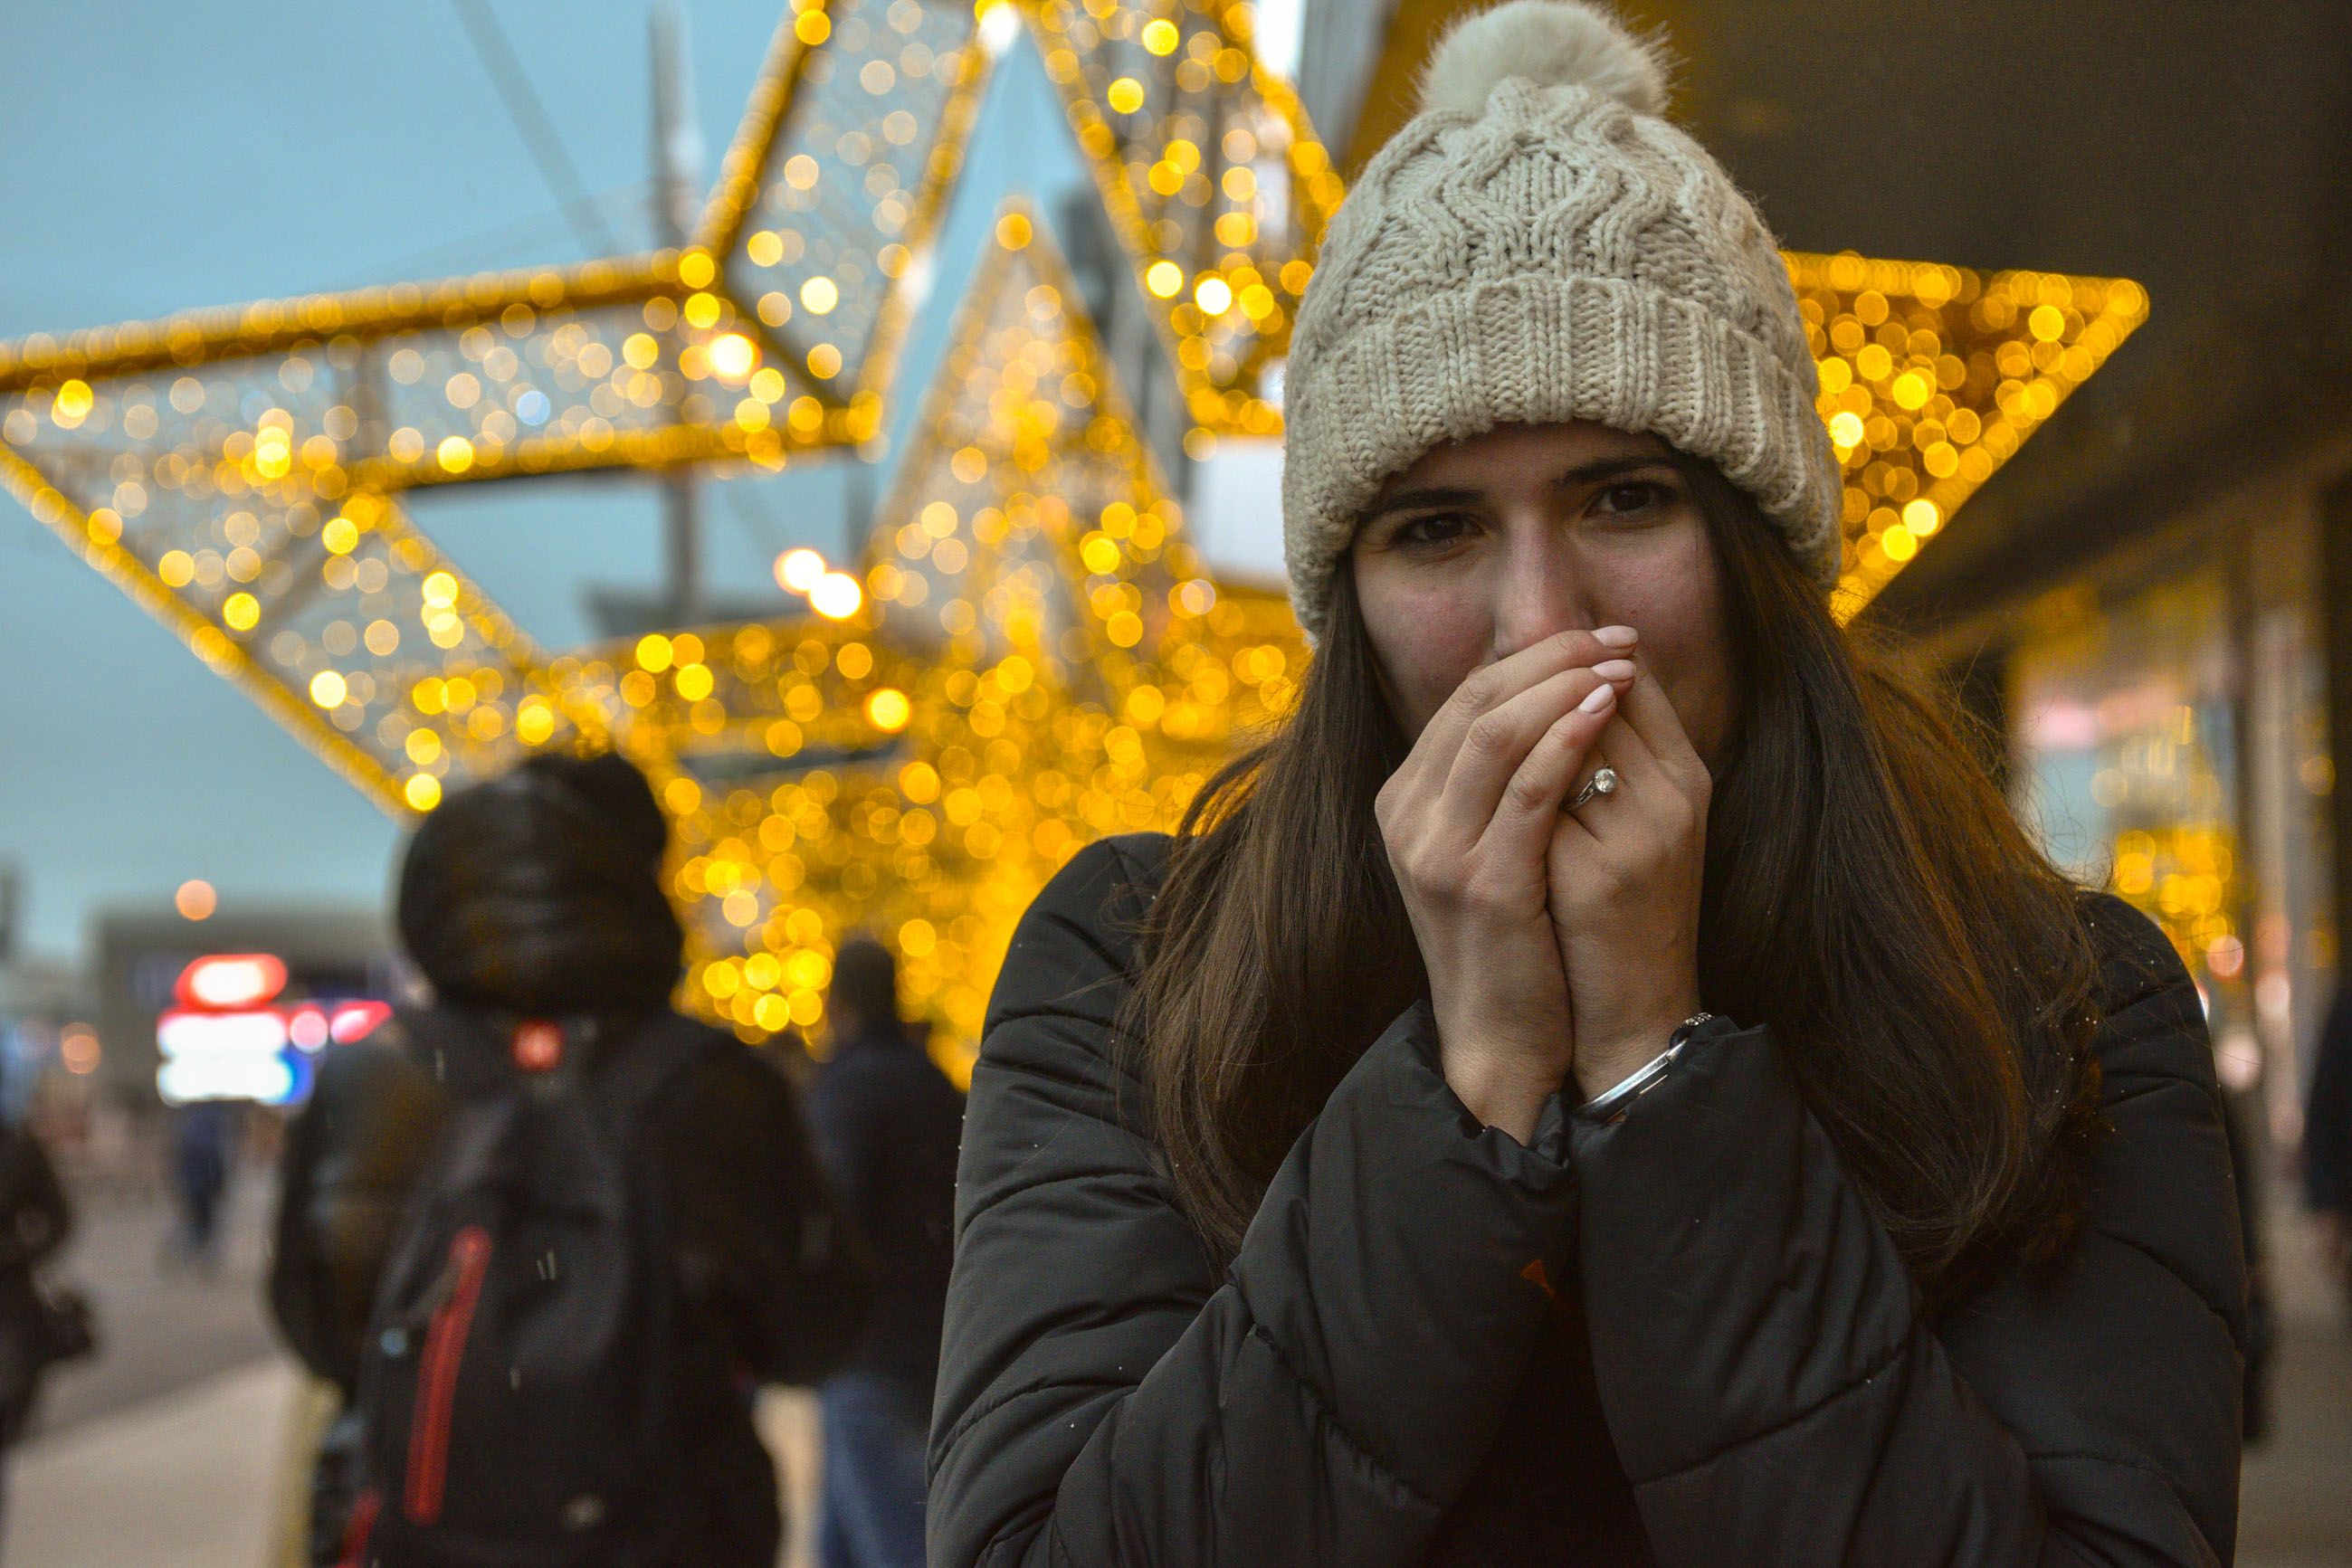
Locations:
(1557, 941)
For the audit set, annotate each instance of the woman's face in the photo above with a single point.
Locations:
(1487, 545)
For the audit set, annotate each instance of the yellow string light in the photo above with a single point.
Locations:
(1038, 658)
(1931, 378)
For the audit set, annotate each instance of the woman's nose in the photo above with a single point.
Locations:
(1538, 595)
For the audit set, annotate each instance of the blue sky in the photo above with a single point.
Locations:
(158, 158)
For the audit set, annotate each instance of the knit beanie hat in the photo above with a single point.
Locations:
(1538, 245)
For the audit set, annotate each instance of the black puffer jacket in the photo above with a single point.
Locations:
(1679, 1339)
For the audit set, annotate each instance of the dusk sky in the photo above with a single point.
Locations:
(154, 159)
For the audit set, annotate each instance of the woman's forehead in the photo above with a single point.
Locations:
(1509, 448)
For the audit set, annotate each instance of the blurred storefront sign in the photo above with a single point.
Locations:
(232, 1038)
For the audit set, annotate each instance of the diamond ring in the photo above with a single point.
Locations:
(1602, 783)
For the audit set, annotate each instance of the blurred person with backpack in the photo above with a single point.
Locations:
(888, 1121)
(547, 1235)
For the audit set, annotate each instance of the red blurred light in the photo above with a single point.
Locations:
(227, 980)
(357, 1021)
(538, 1045)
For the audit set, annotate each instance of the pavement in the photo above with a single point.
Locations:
(189, 1480)
(183, 1444)
(181, 1447)
(160, 1326)
(2294, 1491)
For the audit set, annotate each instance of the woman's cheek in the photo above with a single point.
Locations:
(1443, 644)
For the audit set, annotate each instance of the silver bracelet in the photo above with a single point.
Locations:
(1611, 1103)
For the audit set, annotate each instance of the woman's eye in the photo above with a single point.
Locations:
(1633, 495)
(1437, 529)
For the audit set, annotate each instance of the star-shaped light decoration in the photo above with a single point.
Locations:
(239, 472)
(1040, 659)
(1037, 659)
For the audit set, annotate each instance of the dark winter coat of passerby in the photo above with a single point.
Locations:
(34, 1223)
(2328, 1139)
(887, 1121)
(1608, 1082)
(533, 906)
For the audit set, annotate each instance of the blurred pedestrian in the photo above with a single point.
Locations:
(34, 1223)
(2328, 1139)
(202, 1164)
(887, 1121)
(2239, 1121)
(549, 1236)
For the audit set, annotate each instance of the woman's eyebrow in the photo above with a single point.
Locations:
(1591, 473)
(1601, 468)
(1410, 500)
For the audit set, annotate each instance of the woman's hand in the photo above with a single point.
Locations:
(1624, 875)
(1466, 819)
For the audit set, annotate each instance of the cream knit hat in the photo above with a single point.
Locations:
(1536, 246)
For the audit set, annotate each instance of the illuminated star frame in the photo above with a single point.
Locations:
(240, 472)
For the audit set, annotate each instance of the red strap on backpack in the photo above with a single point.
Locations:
(356, 1531)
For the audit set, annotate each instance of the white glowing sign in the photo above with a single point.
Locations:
(256, 1053)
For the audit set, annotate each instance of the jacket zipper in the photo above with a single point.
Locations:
(436, 1375)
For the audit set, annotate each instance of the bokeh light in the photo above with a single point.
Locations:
(798, 570)
(835, 596)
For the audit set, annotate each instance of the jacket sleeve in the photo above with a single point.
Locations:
(352, 1157)
(1106, 1400)
(293, 1290)
(762, 1244)
(1767, 1379)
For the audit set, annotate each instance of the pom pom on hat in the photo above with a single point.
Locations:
(1550, 250)
(1551, 43)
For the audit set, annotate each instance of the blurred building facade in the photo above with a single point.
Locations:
(2152, 601)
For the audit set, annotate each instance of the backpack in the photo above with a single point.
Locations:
(517, 1395)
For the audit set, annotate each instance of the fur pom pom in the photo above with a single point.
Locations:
(1551, 43)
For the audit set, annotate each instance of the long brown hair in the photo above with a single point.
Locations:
(1868, 895)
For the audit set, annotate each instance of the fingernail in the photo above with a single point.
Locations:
(1616, 636)
(1614, 669)
(1603, 696)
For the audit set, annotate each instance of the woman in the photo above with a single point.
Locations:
(1608, 1082)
